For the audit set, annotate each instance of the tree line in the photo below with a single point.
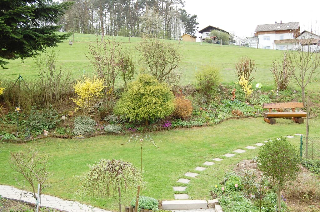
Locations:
(130, 18)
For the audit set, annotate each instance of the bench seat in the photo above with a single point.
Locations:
(285, 114)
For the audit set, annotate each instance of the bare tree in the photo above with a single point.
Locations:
(306, 64)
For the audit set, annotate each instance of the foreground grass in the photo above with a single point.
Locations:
(178, 152)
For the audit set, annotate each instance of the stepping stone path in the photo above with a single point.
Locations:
(183, 196)
(190, 174)
(200, 169)
(239, 151)
(207, 163)
(185, 181)
(229, 155)
(180, 188)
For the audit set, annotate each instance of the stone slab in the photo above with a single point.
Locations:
(179, 188)
(259, 144)
(290, 136)
(185, 181)
(184, 204)
(207, 163)
(190, 174)
(239, 151)
(229, 155)
(218, 208)
(212, 203)
(200, 168)
(217, 159)
(298, 134)
(266, 141)
(181, 196)
(250, 147)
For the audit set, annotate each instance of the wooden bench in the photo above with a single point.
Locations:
(284, 110)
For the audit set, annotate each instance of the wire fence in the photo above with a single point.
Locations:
(310, 149)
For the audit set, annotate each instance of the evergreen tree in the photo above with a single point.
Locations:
(29, 26)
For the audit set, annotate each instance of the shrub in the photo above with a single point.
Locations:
(39, 120)
(83, 125)
(145, 100)
(1, 90)
(109, 177)
(208, 81)
(89, 91)
(161, 59)
(246, 87)
(53, 84)
(182, 107)
(282, 72)
(244, 68)
(146, 203)
(113, 128)
(279, 160)
(32, 166)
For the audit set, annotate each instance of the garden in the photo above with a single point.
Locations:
(146, 110)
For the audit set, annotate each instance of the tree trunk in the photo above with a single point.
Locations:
(279, 199)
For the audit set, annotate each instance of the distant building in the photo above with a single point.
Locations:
(189, 38)
(252, 42)
(205, 32)
(277, 36)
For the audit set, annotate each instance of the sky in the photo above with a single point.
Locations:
(241, 17)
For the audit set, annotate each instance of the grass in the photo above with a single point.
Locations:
(194, 55)
(178, 152)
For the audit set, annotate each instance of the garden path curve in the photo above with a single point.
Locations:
(180, 191)
(46, 200)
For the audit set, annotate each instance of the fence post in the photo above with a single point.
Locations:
(301, 144)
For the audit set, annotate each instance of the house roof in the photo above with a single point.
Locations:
(278, 27)
(310, 33)
(210, 28)
(189, 35)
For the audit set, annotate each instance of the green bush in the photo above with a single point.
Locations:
(83, 125)
(279, 160)
(208, 81)
(312, 165)
(39, 120)
(145, 100)
(146, 203)
(113, 128)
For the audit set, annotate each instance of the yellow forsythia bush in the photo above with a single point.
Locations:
(182, 107)
(247, 89)
(89, 91)
(1, 90)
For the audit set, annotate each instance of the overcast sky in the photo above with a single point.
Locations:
(241, 17)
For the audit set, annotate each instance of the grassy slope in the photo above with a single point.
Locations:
(179, 151)
(194, 55)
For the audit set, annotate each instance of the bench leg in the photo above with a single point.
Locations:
(270, 120)
(298, 120)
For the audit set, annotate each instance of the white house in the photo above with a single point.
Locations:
(309, 41)
(277, 36)
(205, 32)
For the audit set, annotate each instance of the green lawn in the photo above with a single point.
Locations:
(194, 55)
(178, 152)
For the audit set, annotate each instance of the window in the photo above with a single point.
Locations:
(266, 38)
(281, 37)
(267, 47)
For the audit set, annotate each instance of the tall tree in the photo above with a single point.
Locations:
(29, 26)
(189, 21)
